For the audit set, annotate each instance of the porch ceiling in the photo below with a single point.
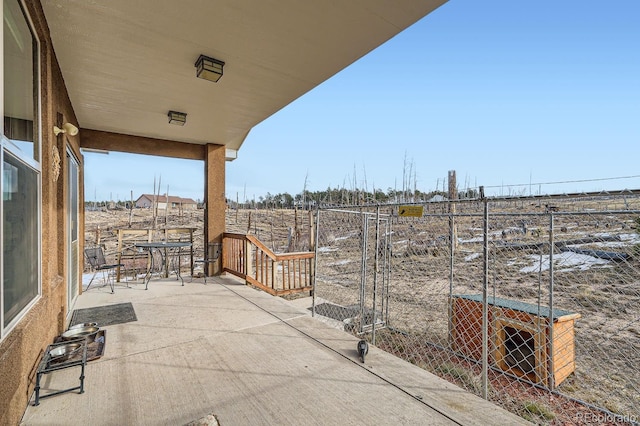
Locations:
(127, 63)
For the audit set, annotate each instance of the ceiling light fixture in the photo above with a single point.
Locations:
(177, 118)
(209, 68)
(67, 128)
(94, 151)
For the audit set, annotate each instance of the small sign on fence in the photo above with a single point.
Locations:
(410, 211)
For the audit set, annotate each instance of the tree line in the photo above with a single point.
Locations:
(312, 199)
(344, 197)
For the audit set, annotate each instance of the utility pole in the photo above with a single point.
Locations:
(453, 196)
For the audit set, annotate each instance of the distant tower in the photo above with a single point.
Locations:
(453, 195)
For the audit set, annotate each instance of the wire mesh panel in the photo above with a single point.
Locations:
(341, 256)
(595, 274)
(531, 303)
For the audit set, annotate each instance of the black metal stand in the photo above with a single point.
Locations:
(50, 364)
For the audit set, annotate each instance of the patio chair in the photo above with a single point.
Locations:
(97, 261)
(211, 256)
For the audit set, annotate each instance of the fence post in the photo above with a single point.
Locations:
(485, 304)
(375, 275)
(363, 274)
(315, 265)
(452, 250)
(550, 321)
(451, 266)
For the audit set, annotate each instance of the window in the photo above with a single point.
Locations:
(19, 236)
(21, 173)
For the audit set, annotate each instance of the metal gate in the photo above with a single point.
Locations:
(354, 267)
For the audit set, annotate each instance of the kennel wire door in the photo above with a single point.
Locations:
(376, 266)
(353, 268)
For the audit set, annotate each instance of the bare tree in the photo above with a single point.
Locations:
(131, 210)
(166, 207)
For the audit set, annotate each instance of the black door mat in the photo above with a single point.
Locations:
(337, 312)
(105, 315)
(343, 313)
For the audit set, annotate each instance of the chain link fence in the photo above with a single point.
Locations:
(534, 306)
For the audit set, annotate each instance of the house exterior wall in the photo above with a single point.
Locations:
(144, 203)
(162, 205)
(193, 206)
(22, 347)
(184, 204)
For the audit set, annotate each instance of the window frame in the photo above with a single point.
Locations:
(7, 146)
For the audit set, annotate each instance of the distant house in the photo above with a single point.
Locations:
(145, 201)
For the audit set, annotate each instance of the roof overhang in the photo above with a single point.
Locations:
(127, 63)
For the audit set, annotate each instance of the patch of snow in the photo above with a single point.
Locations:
(471, 240)
(86, 278)
(326, 249)
(603, 234)
(564, 262)
(472, 256)
(98, 281)
(346, 237)
(614, 244)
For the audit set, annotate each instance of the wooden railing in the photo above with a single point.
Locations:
(278, 274)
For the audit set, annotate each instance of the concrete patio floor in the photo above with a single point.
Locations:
(224, 351)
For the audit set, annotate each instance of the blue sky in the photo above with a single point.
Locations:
(504, 92)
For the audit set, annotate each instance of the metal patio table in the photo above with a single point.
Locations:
(168, 251)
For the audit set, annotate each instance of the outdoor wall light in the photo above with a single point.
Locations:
(67, 128)
(177, 118)
(209, 68)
